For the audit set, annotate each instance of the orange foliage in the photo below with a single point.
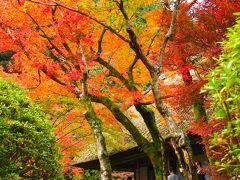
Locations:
(55, 41)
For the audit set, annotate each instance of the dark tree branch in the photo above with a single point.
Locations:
(39, 81)
(135, 46)
(59, 116)
(128, 83)
(100, 42)
(18, 43)
(130, 68)
(69, 132)
(53, 46)
(124, 120)
(150, 121)
(54, 78)
(65, 45)
(115, 73)
(68, 124)
(169, 33)
(44, 34)
(16, 40)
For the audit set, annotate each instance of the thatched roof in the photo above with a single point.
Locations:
(184, 118)
(123, 141)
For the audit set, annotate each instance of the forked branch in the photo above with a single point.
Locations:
(135, 46)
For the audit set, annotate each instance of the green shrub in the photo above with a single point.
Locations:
(224, 88)
(27, 143)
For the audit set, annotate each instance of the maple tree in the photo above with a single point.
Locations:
(220, 16)
(117, 50)
(69, 128)
(51, 68)
(203, 37)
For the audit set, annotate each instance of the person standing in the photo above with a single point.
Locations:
(172, 175)
(200, 171)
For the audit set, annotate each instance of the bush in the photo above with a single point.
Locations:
(224, 87)
(27, 143)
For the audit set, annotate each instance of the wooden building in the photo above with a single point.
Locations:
(136, 161)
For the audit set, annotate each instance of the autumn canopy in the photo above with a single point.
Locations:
(89, 61)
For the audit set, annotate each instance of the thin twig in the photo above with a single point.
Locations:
(100, 42)
(76, 142)
(39, 81)
(59, 116)
(69, 132)
(151, 43)
(44, 34)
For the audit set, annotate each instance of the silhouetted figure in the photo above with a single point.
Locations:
(172, 175)
(200, 171)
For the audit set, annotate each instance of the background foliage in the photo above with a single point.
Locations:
(52, 51)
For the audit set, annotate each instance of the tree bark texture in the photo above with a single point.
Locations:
(154, 150)
(105, 166)
(182, 148)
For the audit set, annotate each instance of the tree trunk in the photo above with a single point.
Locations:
(182, 147)
(157, 163)
(158, 160)
(154, 150)
(96, 126)
(183, 162)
